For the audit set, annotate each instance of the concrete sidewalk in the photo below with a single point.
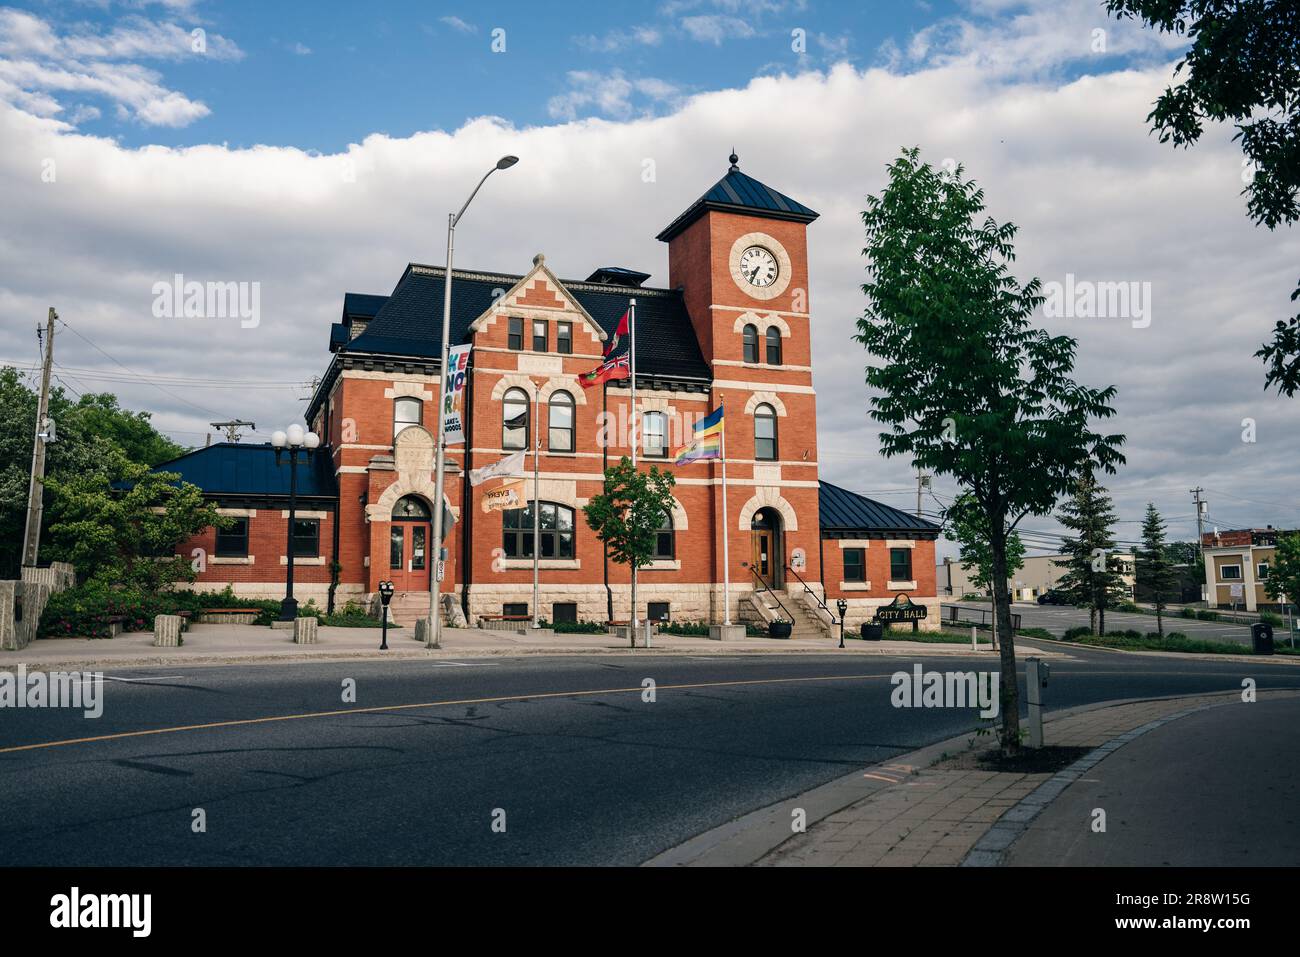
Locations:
(930, 807)
(249, 644)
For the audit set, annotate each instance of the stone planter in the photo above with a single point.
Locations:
(304, 631)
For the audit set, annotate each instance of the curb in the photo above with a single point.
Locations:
(747, 839)
(922, 649)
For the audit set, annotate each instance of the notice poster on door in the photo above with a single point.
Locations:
(453, 389)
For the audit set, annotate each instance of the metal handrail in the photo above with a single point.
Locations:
(768, 588)
(825, 607)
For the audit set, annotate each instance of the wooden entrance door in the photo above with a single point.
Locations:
(408, 556)
(761, 555)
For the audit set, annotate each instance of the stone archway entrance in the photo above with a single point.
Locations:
(767, 546)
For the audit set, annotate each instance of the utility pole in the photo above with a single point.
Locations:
(36, 491)
(1200, 512)
(232, 428)
(922, 481)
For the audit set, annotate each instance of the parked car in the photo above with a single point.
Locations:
(1053, 597)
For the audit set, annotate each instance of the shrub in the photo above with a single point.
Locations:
(1205, 614)
(1269, 618)
(1155, 636)
(696, 629)
(351, 615)
(1129, 607)
(579, 628)
(1035, 633)
(1188, 613)
(1081, 631)
(1176, 636)
(87, 611)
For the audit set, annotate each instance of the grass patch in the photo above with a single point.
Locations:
(933, 637)
(1173, 641)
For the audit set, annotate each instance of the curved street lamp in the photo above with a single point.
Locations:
(439, 472)
(290, 442)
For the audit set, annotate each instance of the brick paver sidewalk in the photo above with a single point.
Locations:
(934, 817)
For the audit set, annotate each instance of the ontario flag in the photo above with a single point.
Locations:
(619, 333)
(608, 370)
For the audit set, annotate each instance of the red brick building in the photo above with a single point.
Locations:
(732, 328)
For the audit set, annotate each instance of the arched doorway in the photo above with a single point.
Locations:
(408, 544)
(767, 546)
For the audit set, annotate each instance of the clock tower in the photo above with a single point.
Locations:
(740, 256)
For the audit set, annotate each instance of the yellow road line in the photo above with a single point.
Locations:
(425, 704)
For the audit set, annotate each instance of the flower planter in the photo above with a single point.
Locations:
(779, 629)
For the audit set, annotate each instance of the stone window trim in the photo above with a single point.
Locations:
(408, 390)
(762, 320)
(663, 565)
(900, 543)
(231, 560)
(901, 586)
(318, 560)
(552, 564)
(765, 398)
(238, 512)
(305, 513)
(855, 586)
(513, 380)
(855, 543)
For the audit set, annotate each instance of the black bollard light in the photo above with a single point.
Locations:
(843, 606)
(385, 596)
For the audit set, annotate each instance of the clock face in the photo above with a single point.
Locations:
(758, 266)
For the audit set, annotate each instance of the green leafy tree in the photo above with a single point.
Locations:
(968, 529)
(1243, 67)
(1094, 573)
(1155, 568)
(627, 515)
(95, 437)
(126, 532)
(965, 385)
(1284, 572)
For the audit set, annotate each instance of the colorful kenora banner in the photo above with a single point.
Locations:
(510, 494)
(607, 371)
(510, 465)
(453, 387)
(708, 440)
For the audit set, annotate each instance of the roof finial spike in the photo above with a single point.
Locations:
(734, 160)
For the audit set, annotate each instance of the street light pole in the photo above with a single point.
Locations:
(293, 440)
(440, 460)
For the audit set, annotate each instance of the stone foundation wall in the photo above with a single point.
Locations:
(686, 602)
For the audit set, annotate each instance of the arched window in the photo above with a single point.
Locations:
(665, 543)
(407, 411)
(560, 423)
(410, 507)
(556, 530)
(514, 419)
(773, 346)
(765, 433)
(750, 336)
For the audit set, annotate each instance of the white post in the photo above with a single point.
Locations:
(974, 644)
(1034, 687)
(726, 522)
(537, 505)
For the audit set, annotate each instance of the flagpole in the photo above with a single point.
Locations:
(631, 355)
(726, 522)
(537, 505)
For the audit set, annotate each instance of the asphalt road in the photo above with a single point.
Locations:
(1216, 788)
(1058, 618)
(585, 771)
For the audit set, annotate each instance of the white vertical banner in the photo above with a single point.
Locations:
(453, 390)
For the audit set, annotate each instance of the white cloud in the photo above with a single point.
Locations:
(1071, 162)
(610, 94)
(301, 49)
(459, 25)
(714, 28)
(616, 40)
(36, 62)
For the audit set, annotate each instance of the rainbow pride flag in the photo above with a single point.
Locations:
(708, 440)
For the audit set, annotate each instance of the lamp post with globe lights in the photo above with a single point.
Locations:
(290, 442)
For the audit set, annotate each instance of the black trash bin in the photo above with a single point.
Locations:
(872, 632)
(1261, 636)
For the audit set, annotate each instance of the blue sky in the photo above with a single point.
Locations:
(321, 75)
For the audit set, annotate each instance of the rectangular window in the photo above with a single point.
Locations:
(564, 338)
(233, 541)
(406, 412)
(1261, 570)
(564, 611)
(900, 564)
(657, 611)
(515, 338)
(654, 428)
(1230, 573)
(395, 547)
(855, 565)
(306, 538)
(540, 335)
(516, 609)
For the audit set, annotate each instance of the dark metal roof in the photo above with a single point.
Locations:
(738, 193)
(239, 470)
(410, 322)
(361, 305)
(840, 511)
(619, 276)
